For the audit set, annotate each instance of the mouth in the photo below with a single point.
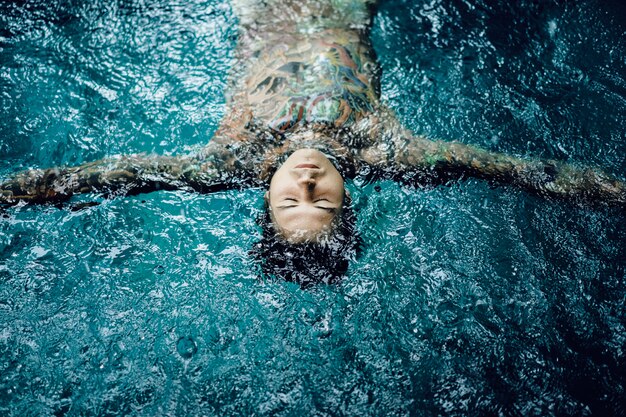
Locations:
(310, 166)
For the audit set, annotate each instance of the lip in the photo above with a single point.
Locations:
(307, 166)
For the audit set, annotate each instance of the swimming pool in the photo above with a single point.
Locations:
(465, 300)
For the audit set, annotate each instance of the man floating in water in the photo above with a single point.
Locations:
(304, 114)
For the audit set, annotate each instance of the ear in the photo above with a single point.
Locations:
(266, 197)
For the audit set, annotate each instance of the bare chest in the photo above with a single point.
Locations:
(293, 80)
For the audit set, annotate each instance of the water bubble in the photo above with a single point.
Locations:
(159, 269)
(186, 347)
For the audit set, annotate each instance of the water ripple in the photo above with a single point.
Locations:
(465, 299)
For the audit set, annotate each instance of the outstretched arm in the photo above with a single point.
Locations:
(439, 160)
(213, 169)
(414, 159)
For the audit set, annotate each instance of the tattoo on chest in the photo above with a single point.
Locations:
(322, 82)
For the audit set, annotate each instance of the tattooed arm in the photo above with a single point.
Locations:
(213, 169)
(413, 159)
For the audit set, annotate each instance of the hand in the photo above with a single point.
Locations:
(34, 186)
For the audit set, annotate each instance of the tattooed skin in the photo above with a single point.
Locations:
(318, 82)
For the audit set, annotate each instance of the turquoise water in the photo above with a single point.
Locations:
(465, 300)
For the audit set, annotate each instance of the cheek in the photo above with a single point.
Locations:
(337, 186)
(338, 193)
(278, 183)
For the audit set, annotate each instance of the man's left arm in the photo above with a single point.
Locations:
(398, 154)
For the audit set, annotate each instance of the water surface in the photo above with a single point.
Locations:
(465, 300)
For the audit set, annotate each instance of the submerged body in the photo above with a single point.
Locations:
(305, 77)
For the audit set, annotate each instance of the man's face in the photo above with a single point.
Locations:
(305, 195)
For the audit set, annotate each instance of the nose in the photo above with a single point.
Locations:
(307, 178)
(306, 181)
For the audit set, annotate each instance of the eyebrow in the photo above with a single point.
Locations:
(331, 209)
(297, 200)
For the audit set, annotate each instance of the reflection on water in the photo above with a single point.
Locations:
(465, 299)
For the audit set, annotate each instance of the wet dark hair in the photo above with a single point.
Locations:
(312, 262)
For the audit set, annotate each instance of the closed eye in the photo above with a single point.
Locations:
(288, 203)
(325, 206)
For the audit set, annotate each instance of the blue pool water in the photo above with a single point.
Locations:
(465, 300)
